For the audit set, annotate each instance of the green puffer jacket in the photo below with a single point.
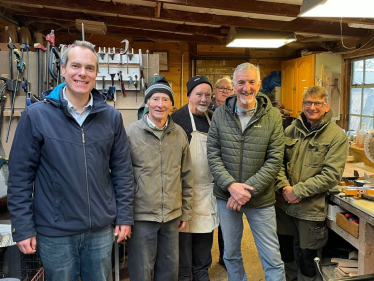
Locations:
(314, 162)
(253, 157)
(162, 172)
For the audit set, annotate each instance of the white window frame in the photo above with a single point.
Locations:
(359, 86)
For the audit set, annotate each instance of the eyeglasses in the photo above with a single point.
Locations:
(222, 89)
(317, 104)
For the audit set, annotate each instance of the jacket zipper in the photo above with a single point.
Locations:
(85, 165)
(162, 184)
(242, 145)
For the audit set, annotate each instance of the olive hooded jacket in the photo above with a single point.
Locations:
(314, 162)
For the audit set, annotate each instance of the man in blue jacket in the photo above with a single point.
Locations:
(70, 175)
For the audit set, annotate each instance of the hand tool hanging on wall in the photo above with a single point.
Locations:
(129, 82)
(122, 83)
(142, 84)
(25, 81)
(39, 71)
(54, 63)
(112, 89)
(50, 38)
(123, 51)
(108, 55)
(2, 104)
(136, 87)
(147, 78)
(102, 53)
(104, 91)
(20, 68)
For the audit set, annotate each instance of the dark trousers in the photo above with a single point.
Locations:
(153, 246)
(195, 256)
(221, 245)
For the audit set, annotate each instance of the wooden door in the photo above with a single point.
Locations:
(304, 79)
(288, 85)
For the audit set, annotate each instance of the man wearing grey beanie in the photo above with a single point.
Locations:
(196, 239)
(162, 168)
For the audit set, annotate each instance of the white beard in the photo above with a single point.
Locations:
(202, 108)
(246, 102)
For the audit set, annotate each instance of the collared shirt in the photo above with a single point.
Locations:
(158, 131)
(79, 117)
(245, 115)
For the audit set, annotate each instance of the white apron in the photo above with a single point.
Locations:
(204, 207)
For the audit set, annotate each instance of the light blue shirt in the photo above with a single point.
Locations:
(79, 117)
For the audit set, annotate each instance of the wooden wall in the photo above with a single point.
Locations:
(218, 61)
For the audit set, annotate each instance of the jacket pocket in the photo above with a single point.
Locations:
(136, 179)
(56, 201)
(315, 154)
(290, 145)
(317, 237)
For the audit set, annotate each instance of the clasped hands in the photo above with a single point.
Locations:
(239, 196)
(289, 195)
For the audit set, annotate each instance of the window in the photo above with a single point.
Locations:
(362, 94)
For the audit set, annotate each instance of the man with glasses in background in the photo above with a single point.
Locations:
(222, 90)
(315, 155)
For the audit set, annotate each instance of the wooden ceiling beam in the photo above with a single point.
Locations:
(121, 22)
(124, 31)
(298, 25)
(246, 6)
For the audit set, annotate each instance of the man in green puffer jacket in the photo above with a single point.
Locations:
(245, 152)
(315, 155)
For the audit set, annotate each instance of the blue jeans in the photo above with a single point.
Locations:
(263, 225)
(153, 245)
(87, 255)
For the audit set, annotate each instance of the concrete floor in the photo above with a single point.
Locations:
(217, 272)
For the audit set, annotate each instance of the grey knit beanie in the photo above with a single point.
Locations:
(160, 85)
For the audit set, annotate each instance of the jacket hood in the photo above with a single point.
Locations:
(325, 120)
(263, 103)
(55, 97)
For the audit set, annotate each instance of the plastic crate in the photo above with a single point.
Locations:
(14, 264)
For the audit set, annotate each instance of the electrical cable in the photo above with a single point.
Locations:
(341, 35)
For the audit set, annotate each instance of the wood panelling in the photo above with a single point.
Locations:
(216, 69)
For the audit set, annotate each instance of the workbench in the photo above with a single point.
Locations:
(364, 210)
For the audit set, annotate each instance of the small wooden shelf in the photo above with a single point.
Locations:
(342, 233)
(17, 113)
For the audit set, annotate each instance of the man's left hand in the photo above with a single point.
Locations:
(181, 225)
(232, 204)
(289, 195)
(123, 231)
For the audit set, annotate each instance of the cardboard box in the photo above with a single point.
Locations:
(332, 210)
(349, 226)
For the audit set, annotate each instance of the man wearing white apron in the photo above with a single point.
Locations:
(196, 239)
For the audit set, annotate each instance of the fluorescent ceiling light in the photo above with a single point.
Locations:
(254, 38)
(337, 8)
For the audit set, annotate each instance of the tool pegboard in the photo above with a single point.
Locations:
(123, 70)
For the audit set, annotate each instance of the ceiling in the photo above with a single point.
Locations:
(198, 22)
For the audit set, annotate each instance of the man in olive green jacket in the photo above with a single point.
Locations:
(245, 152)
(315, 155)
(162, 168)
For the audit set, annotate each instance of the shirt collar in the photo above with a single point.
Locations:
(154, 127)
(242, 111)
(71, 107)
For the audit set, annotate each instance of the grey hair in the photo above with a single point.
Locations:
(227, 78)
(245, 66)
(316, 92)
(82, 44)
